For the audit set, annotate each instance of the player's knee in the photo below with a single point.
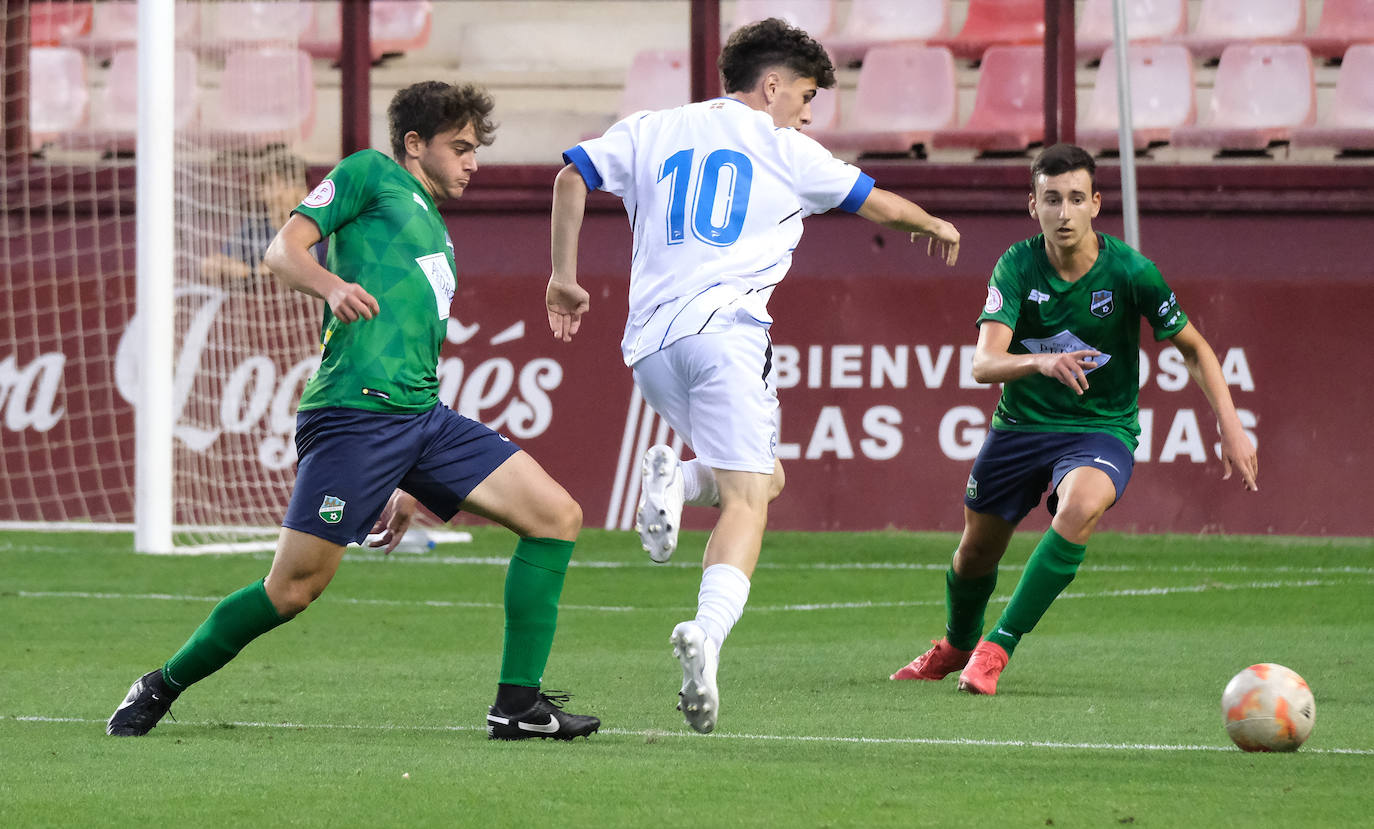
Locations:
(563, 520)
(777, 483)
(292, 597)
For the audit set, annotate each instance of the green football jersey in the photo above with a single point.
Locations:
(1101, 311)
(388, 236)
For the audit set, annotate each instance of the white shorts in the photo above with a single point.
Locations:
(715, 392)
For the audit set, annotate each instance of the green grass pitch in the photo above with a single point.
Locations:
(369, 709)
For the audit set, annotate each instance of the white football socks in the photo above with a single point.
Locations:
(699, 484)
(720, 603)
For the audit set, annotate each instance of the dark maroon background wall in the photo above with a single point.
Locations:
(879, 417)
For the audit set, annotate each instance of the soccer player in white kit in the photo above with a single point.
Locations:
(716, 192)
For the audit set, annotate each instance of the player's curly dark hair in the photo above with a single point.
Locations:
(754, 48)
(430, 107)
(1058, 159)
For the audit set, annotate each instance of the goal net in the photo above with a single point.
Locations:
(243, 345)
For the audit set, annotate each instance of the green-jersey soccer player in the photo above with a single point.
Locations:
(371, 435)
(1060, 329)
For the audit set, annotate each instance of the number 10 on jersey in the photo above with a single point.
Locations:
(720, 197)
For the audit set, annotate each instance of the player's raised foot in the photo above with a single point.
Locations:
(545, 719)
(660, 502)
(983, 669)
(148, 700)
(699, 700)
(936, 663)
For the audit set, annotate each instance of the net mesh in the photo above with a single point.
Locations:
(69, 364)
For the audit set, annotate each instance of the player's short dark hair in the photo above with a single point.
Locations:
(1058, 159)
(756, 47)
(431, 107)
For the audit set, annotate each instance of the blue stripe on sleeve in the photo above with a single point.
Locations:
(579, 158)
(858, 194)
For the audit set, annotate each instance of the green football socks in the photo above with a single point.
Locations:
(1050, 569)
(966, 600)
(533, 585)
(238, 619)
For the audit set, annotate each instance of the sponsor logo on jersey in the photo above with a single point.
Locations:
(994, 301)
(1101, 304)
(1037, 296)
(331, 509)
(1063, 343)
(321, 195)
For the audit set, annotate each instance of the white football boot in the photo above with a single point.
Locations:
(699, 699)
(660, 503)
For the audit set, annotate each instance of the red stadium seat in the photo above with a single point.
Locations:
(1161, 97)
(52, 24)
(994, 22)
(1342, 24)
(1262, 91)
(903, 94)
(657, 79)
(1146, 20)
(115, 24)
(398, 26)
(118, 103)
(1223, 22)
(266, 95)
(885, 22)
(1008, 106)
(1349, 125)
(815, 17)
(58, 97)
(254, 22)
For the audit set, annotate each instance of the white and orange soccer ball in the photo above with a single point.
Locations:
(1268, 707)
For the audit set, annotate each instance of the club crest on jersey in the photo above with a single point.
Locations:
(1102, 304)
(331, 509)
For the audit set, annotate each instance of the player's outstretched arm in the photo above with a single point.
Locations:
(891, 210)
(993, 363)
(1237, 451)
(565, 300)
(290, 260)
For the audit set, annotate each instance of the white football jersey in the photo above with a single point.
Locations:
(716, 195)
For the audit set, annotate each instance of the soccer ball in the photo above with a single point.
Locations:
(1268, 707)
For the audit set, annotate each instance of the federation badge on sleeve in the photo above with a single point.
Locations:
(331, 509)
(994, 301)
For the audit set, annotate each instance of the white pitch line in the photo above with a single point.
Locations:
(1141, 592)
(726, 735)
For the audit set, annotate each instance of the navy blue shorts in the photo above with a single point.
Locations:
(352, 460)
(1013, 469)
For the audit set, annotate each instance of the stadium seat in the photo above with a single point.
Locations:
(398, 26)
(1146, 20)
(903, 94)
(656, 79)
(884, 22)
(994, 22)
(53, 24)
(266, 95)
(1008, 105)
(1161, 97)
(1223, 22)
(1349, 124)
(1342, 24)
(253, 22)
(115, 25)
(58, 97)
(1261, 92)
(115, 124)
(815, 17)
